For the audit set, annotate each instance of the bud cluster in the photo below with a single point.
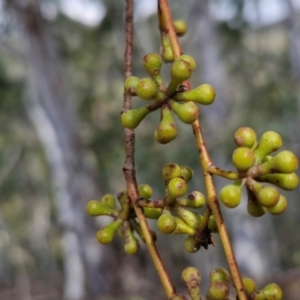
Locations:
(166, 97)
(255, 164)
(219, 286)
(124, 219)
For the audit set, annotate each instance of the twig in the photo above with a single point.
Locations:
(167, 24)
(129, 164)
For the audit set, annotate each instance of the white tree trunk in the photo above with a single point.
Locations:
(52, 111)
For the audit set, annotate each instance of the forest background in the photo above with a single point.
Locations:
(62, 144)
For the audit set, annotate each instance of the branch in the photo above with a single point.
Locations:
(129, 165)
(167, 25)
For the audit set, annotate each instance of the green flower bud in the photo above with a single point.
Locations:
(152, 63)
(279, 207)
(166, 130)
(243, 158)
(106, 234)
(152, 213)
(131, 244)
(249, 285)
(109, 200)
(167, 53)
(194, 200)
(219, 274)
(181, 70)
(182, 227)
(146, 89)
(231, 194)
(188, 59)
(171, 171)
(187, 112)
(131, 84)
(95, 208)
(166, 223)
(192, 278)
(268, 196)
(245, 137)
(269, 142)
(270, 292)
(145, 191)
(191, 245)
(218, 290)
(186, 173)
(203, 94)
(254, 208)
(132, 118)
(189, 217)
(177, 187)
(212, 224)
(287, 182)
(180, 27)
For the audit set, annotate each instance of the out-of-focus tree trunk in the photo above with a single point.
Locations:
(252, 242)
(52, 110)
(293, 24)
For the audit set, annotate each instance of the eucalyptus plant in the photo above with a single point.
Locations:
(260, 169)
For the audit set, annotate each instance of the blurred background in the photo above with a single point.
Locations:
(61, 142)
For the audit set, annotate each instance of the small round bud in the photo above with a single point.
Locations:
(194, 200)
(255, 209)
(167, 54)
(109, 200)
(186, 173)
(132, 247)
(182, 227)
(268, 196)
(152, 213)
(181, 70)
(166, 223)
(231, 195)
(243, 158)
(152, 64)
(218, 290)
(95, 208)
(132, 118)
(106, 235)
(122, 197)
(188, 59)
(171, 171)
(131, 244)
(245, 137)
(285, 162)
(269, 142)
(203, 94)
(191, 245)
(212, 224)
(187, 112)
(177, 187)
(219, 274)
(166, 130)
(180, 27)
(145, 191)
(192, 278)
(271, 291)
(146, 89)
(278, 208)
(249, 285)
(131, 84)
